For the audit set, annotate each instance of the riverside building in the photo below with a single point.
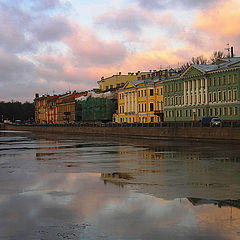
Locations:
(117, 81)
(142, 100)
(204, 90)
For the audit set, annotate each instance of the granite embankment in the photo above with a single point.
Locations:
(221, 133)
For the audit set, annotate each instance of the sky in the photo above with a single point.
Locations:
(53, 46)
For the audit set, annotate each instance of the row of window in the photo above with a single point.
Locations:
(202, 112)
(230, 95)
(223, 96)
(142, 107)
(141, 119)
(222, 80)
(201, 82)
(143, 93)
(111, 86)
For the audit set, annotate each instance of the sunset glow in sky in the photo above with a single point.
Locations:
(52, 46)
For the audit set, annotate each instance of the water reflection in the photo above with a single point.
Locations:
(99, 188)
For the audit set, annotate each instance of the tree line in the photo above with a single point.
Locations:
(16, 111)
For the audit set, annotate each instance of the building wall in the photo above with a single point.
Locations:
(117, 81)
(140, 103)
(194, 97)
(40, 110)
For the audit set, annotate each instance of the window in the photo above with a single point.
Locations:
(224, 111)
(179, 86)
(224, 80)
(179, 100)
(157, 91)
(214, 81)
(186, 113)
(229, 111)
(151, 107)
(203, 112)
(234, 78)
(139, 108)
(215, 112)
(210, 111)
(138, 93)
(219, 96)
(224, 96)
(234, 95)
(210, 82)
(176, 87)
(161, 91)
(219, 112)
(198, 112)
(145, 92)
(214, 97)
(141, 93)
(152, 119)
(176, 100)
(151, 92)
(210, 97)
(229, 79)
(145, 107)
(219, 81)
(111, 86)
(229, 95)
(235, 110)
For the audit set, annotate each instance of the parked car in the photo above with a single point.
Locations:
(215, 122)
(211, 121)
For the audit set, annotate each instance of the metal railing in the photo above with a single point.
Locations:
(187, 124)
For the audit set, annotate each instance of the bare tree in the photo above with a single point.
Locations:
(216, 55)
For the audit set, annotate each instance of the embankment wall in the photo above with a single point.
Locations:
(159, 132)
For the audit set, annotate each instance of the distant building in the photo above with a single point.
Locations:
(204, 90)
(56, 109)
(118, 81)
(96, 107)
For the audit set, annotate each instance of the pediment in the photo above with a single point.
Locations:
(128, 85)
(192, 71)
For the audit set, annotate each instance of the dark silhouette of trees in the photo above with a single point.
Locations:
(194, 60)
(202, 60)
(216, 55)
(16, 111)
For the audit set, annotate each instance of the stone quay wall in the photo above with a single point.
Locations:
(226, 133)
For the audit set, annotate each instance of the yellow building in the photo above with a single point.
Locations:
(118, 81)
(40, 108)
(142, 100)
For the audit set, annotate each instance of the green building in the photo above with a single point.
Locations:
(204, 90)
(96, 107)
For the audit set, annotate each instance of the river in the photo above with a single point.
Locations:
(56, 186)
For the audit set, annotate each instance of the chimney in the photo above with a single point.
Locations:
(232, 55)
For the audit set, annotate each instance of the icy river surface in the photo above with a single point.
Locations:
(91, 187)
